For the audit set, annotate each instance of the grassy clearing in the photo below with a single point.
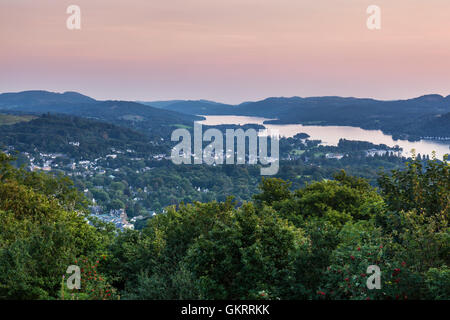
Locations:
(182, 126)
(297, 152)
(9, 119)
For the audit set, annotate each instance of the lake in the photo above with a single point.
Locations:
(330, 135)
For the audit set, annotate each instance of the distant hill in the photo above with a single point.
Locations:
(434, 126)
(32, 100)
(134, 115)
(401, 118)
(407, 119)
(194, 107)
(159, 104)
(58, 133)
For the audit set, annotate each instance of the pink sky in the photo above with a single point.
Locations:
(230, 51)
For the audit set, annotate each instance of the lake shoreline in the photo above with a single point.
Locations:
(330, 134)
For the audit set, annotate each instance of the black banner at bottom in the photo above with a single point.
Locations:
(264, 310)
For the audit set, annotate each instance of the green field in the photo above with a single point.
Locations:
(182, 126)
(297, 152)
(8, 119)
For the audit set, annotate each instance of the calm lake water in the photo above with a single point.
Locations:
(330, 135)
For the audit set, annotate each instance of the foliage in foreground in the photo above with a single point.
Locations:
(311, 243)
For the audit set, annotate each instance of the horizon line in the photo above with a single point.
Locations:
(225, 103)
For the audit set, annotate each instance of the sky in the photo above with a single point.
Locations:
(229, 51)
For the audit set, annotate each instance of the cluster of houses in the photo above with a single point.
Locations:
(435, 138)
(117, 217)
(52, 161)
(368, 153)
(377, 152)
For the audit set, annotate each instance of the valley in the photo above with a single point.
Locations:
(118, 152)
(112, 159)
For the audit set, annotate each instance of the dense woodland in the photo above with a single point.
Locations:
(168, 184)
(54, 133)
(315, 242)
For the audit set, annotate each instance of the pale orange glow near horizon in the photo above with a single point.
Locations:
(230, 51)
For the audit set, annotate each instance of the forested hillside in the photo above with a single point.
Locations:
(149, 120)
(312, 243)
(73, 136)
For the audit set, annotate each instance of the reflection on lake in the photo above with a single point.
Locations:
(330, 135)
